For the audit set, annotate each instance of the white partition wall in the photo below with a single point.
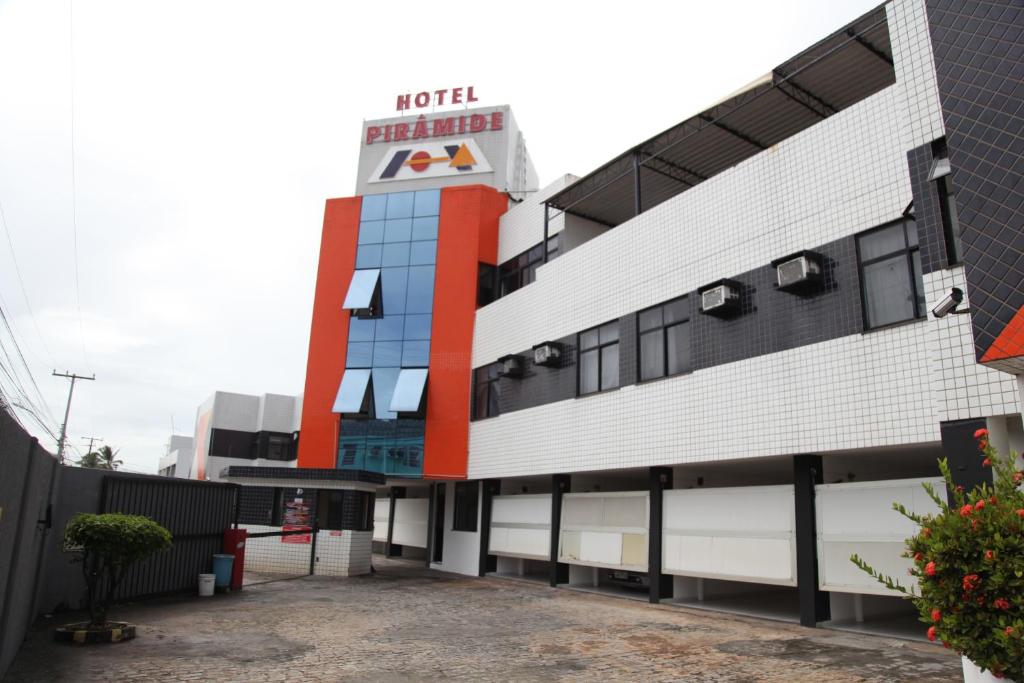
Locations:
(741, 534)
(410, 525)
(858, 518)
(521, 526)
(381, 514)
(605, 530)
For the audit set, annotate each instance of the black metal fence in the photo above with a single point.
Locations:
(195, 512)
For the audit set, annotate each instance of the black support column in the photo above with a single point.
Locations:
(660, 479)
(960, 449)
(488, 563)
(430, 525)
(814, 604)
(393, 549)
(559, 487)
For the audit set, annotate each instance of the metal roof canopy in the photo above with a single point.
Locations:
(835, 73)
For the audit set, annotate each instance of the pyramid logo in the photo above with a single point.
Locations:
(431, 160)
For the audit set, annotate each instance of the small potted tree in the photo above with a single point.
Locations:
(968, 560)
(109, 544)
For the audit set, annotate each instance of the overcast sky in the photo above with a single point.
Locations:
(207, 135)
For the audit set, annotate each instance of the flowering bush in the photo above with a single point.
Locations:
(969, 564)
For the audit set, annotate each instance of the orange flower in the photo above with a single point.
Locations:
(979, 505)
(981, 433)
(931, 633)
(966, 510)
(936, 615)
(929, 569)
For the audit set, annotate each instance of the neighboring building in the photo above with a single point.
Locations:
(177, 459)
(707, 367)
(240, 429)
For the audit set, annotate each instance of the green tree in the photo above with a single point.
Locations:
(109, 545)
(90, 459)
(108, 458)
(105, 458)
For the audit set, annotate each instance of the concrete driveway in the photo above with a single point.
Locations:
(408, 623)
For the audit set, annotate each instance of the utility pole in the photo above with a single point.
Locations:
(91, 439)
(64, 427)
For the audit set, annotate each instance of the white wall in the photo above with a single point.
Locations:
(461, 548)
(521, 526)
(858, 518)
(605, 530)
(381, 515)
(410, 525)
(886, 388)
(742, 533)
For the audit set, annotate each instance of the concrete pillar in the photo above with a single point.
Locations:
(961, 452)
(659, 479)
(488, 563)
(559, 486)
(814, 603)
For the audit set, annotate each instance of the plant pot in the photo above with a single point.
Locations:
(83, 633)
(973, 674)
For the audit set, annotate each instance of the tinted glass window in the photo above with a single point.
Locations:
(421, 290)
(400, 205)
(890, 274)
(373, 207)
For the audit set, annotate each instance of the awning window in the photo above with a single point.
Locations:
(364, 298)
(940, 168)
(353, 396)
(409, 389)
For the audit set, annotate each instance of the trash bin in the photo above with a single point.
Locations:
(206, 585)
(222, 569)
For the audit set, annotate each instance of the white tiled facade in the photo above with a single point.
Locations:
(883, 388)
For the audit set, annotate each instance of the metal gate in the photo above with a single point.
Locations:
(195, 512)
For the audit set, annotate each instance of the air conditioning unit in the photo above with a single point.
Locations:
(802, 272)
(511, 366)
(720, 298)
(548, 354)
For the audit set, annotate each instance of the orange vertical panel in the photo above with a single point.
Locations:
(328, 337)
(467, 234)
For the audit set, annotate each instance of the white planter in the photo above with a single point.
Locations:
(972, 674)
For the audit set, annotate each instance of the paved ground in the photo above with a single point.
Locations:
(406, 623)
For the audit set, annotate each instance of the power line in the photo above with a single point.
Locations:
(74, 178)
(21, 282)
(24, 364)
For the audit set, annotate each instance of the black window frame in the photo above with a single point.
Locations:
(599, 348)
(920, 306)
(489, 375)
(663, 330)
(521, 270)
(466, 506)
(945, 195)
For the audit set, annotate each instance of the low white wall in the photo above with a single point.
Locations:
(343, 552)
(521, 526)
(740, 533)
(273, 555)
(605, 530)
(858, 518)
(381, 514)
(410, 525)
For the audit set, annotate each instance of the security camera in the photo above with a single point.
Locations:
(948, 305)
